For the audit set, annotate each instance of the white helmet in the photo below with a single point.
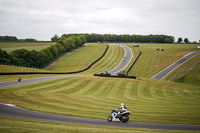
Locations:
(122, 104)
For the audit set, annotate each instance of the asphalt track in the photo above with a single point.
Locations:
(127, 58)
(173, 66)
(34, 115)
(34, 80)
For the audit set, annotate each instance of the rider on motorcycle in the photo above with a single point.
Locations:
(121, 109)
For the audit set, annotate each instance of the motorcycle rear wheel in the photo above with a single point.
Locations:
(125, 118)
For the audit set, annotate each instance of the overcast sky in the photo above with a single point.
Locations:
(42, 19)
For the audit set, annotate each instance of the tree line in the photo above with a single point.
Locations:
(126, 38)
(39, 59)
(186, 40)
(15, 39)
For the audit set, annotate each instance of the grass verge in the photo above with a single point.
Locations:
(183, 67)
(13, 125)
(94, 97)
(190, 77)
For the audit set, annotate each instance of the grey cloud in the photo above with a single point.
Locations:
(42, 19)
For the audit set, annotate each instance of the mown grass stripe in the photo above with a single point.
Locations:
(95, 97)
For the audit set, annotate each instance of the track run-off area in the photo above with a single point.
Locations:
(34, 115)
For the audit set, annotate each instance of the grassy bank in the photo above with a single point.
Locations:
(152, 61)
(84, 57)
(190, 77)
(10, 46)
(94, 97)
(79, 60)
(7, 68)
(13, 125)
(185, 66)
(113, 57)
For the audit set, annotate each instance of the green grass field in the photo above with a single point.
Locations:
(190, 77)
(84, 57)
(112, 58)
(10, 46)
(152, 61)
(79, 60)
(8, 68)
(13, 125)
(94, 97)
(149, 100)
(183, 67)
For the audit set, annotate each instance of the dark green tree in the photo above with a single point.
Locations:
(30, 40)
(55, 38)
(21, 57)
(83, 39)
(180, 40)
(71, 42)
(186, 40)
(60, 48)
(168, 40)
(78, 41)
(54, 50)
(8, 38)
(36, 59)
(47, 55)
(4, 56)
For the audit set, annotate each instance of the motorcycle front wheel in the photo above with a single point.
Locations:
(109, 118)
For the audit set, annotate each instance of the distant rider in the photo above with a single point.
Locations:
(19, 79)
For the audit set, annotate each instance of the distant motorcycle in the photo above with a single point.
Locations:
(119, 116)
(19, 79)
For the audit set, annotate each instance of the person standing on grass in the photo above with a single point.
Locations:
(19, 79)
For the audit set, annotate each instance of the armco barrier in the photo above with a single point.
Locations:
(133, 63)
(19, 73)
(115, 75)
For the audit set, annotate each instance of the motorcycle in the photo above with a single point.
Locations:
(119, 116)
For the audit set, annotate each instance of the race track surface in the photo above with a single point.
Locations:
(33, 115)
(127, 58)
(173, 66)
(33, 80)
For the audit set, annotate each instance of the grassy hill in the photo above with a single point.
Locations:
(191, 77)
(112, 58)
(7, 68)
(79, 60)
(94, 97)
(84, 57)
(152, 61)
(183, 67)
(10, 46)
